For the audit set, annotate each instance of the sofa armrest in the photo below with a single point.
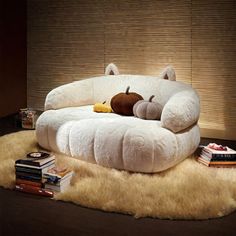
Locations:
(181, 111)
(77, 93)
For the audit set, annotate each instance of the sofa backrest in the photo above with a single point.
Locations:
(103, 88)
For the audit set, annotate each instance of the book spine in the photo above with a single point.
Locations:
(51, 179)
(218, 156)
(29, 174)
(223, 157)
(203, 161)
(222, 165)
(31, 178)
(223, 154)
(55, 178)
(34, 163)
(60, 182)
(33, 170)
(223, 162)
(49, 164)
(28, 182)
(28, 162)
(34, 190)
(205, 158)
(53, 188)
(28, 170)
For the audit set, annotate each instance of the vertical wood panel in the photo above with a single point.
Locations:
(75, 39)
(214, 70)
(65, 43)
(142, 37)
(66, 40)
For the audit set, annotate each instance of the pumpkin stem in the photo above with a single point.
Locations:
(127, 90)
(150, 99)
(104, 102)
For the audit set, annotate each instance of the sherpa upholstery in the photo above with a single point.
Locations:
(69, 125)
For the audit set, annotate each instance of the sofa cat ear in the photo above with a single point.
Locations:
(112, 69)
(168, 73)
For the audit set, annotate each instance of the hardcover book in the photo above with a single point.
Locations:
(214, 150)
(28, 182)
(228, 164)
(28, 177)
(57, 174)
(36, 159)
(34, 171)
(49, 164)
(58, 187)
(218, 157)
(34, 190)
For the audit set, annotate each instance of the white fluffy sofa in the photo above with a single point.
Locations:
(68, 125)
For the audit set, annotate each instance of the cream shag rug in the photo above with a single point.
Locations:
(187, 191)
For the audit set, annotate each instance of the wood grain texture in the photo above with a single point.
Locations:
(65, 43)
(71, 40)
(142, 37)
(74, 39)
(213, 65)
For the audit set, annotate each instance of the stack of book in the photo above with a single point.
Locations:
(57, 179)
(30, 170)
(215, 155)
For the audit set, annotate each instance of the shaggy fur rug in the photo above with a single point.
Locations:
(187, 191)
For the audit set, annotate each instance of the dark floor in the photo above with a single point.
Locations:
(26, 214)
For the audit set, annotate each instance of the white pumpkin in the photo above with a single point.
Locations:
(148, 110)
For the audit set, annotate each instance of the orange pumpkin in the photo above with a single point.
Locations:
(122, 103)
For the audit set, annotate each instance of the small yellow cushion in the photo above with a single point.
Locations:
(101, 107)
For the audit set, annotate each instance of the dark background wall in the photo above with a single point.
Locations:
(13, 56)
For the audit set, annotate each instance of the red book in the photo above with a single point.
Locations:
(28, 182)
(34, 190)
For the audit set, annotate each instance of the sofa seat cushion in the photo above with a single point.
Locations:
(115, 141)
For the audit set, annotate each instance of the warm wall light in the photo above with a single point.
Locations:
(196, 37)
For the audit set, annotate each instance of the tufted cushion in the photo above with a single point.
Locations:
(114, 141)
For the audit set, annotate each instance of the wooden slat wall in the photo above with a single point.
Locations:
(214, 65)
(142, 37)
(70, 40)
(74, 39)
(65, 43)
